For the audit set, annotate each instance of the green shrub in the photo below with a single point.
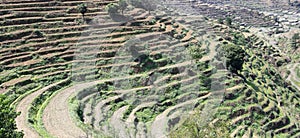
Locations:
(152, 22)
(112, 8)
(145, 115)
(38, 33)
(191, 129)
(7, 118)
(220, 21)
(228, 21)
(234, 57)
(82, 8)
(239, 39)
(195, 51)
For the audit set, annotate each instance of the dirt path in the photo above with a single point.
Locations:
(293, 75)
(212, 49)
(56, 117)
(23, 106)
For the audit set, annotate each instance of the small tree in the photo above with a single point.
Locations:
(112, 8)
(7, 119)
(122, 5)
(82, 8)
(220, 21)
(234, 57)
(228, 21)
(149, 5)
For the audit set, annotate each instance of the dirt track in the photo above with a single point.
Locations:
(23, 106)
(56, 117)
(293, 75)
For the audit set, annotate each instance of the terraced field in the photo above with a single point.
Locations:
(95, 75)
(53, 52)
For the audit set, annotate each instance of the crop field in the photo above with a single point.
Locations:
(118, 68)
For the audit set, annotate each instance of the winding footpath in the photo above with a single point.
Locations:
(23, 106)
(293, 75)
(56, 117)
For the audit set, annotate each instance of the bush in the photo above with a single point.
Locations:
(82, 8)
(228, 21)
(196, 51)
(239, 39)
(152, 22)
(7, 118)
(112, 8)
(234, 57)
(220, 21)
(38, 33)
(191, 129)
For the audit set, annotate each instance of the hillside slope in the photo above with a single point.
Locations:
(148, 70)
